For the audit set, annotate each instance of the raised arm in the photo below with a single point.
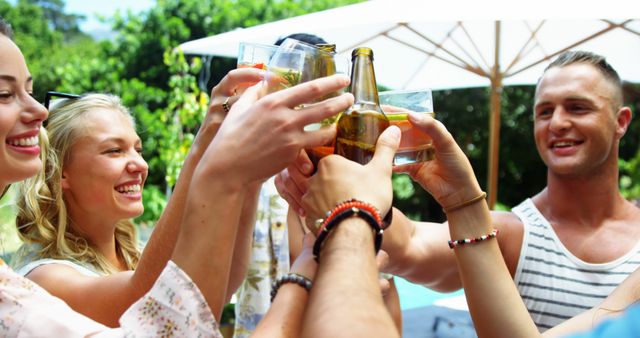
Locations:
(242, 153)
(106, 298)
(347, 264)
(163, 239)
(494, 302)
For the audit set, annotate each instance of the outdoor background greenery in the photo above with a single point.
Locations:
(160, 85)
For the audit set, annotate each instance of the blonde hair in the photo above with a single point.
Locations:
(42, 220)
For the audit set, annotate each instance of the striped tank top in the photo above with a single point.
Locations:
(556, 285)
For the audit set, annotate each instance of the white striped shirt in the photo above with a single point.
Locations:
(556, 285)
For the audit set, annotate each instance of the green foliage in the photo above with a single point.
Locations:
(630, 177)
(154, 203)
(630, 147)
(159, 87)
(187, 106)
(9, 241)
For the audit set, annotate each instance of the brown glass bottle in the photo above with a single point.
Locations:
(361, 124)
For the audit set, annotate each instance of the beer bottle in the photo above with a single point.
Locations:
(361, 124)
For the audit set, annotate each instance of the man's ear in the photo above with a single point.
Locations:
(623, 120)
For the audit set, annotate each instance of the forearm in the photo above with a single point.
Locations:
(347, 249)
(412, 246)
(203, 249)
(244, 239)
(295, 231)
(162, 242)
(489, 288)
(392, 303)
(284, 318)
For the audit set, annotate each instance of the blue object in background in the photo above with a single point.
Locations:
(413, 295)
(422, 319)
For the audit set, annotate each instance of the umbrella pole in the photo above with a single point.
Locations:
(494, 140)
(494, 123)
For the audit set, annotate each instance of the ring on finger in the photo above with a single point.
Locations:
(225, 105)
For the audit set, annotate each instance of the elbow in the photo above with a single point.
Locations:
(444, 282)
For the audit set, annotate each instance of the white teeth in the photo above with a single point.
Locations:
(129, 188)
(25, 142)
(563, 144)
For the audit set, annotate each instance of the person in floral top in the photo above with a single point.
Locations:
(189, 293)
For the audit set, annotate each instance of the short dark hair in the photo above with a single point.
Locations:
(599, 62)
(304, 37)
(5, 28)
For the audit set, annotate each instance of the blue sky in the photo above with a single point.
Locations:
(91, 9)
(105, 8)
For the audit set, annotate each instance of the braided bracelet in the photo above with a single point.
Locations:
(334, 219)
(458, 242)
(461, 205)
(290, 278)
(348, 204)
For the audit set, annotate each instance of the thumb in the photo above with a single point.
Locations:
(386, 146)
(442, 138)
(308, 240)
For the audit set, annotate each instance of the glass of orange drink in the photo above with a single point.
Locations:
(415, 145)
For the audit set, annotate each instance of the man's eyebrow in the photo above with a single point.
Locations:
(7, 78)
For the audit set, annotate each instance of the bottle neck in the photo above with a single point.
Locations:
(363, 84)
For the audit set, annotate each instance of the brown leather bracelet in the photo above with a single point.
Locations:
(461, 205)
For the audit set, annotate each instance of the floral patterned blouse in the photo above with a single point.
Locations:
(269, 260)
(174, 307)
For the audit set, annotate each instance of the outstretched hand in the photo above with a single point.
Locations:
(449, 178)
(339, 179)
(262, 135)
(225, 92)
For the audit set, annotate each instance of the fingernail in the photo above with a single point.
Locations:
(394, 132)
(301, 212)
(307, 168)
(417, 117)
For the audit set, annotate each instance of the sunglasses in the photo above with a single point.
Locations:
(57, 96)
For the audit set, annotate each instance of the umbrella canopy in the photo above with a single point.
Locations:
(461, 43)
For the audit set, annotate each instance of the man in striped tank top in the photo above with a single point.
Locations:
(571, 244)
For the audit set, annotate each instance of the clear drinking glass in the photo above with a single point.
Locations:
(284, 69)
(319, 62)
(255, 55)
(415, 146)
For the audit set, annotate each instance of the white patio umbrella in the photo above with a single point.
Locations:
(461, 43)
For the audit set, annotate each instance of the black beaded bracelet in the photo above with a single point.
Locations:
(351, 212)
(290, 278)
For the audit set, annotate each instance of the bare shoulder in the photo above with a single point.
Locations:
(510, 237)
(54, 273)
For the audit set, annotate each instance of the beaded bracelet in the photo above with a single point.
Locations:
(458, 242)
(334, 219)
(301, 280)
(348, 204)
